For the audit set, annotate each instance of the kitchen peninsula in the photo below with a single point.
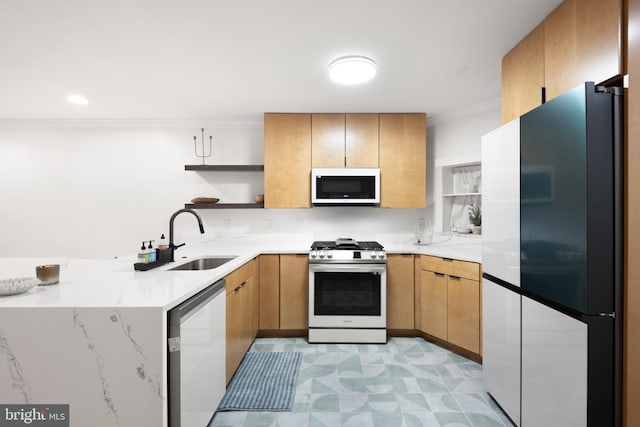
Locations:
(97, 341)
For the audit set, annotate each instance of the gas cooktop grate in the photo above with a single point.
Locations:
(364, 246)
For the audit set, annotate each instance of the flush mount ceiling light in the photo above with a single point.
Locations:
(77, 99)
(351, 70)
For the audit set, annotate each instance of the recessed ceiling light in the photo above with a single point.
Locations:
(352, 70)
(77, 99)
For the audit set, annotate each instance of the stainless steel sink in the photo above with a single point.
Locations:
(207, 263)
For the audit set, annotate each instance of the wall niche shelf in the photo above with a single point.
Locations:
(455, 190)
(225, 168)
(224, 205)
(461, 194)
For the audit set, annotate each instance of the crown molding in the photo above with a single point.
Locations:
(127, 124)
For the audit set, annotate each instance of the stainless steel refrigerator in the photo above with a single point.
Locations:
(552, 261)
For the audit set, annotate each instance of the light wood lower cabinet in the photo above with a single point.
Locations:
(234, 333)
(294, 291)
(463, 313)
(450, 301)
(269, 292)
(400, 291)
(433, 304)
(241, 314)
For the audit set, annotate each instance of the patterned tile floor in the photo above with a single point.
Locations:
(408, 382)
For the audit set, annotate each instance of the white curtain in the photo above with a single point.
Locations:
(467, 179)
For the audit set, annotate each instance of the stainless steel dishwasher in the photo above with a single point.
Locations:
(196, 348)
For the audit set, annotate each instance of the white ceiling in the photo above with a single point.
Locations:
(235, 59)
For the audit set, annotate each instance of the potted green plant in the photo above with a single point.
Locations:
(475, 217)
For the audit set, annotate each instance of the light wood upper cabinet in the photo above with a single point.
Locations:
(294, 291)
(269, 292)
(581, 40)
(344, 140)
(599, 39)
(560, 63)
(327, 141)
(400, 292)
(361, 140)
(403, 158)
(287, 160)
(582, 43)
(523, 76)
(396, 143)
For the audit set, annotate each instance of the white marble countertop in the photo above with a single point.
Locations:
(114, 283)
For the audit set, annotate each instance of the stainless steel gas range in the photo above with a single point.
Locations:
(347, 292)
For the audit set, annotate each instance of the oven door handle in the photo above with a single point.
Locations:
(345, 268)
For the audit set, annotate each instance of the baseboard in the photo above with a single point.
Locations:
(304, 333)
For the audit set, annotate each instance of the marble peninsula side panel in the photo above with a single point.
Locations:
(107, 364)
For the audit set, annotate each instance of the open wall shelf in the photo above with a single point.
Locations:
(224, 205)
(225, 168)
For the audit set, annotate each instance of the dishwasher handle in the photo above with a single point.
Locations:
(184, 311)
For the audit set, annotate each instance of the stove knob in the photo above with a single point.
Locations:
(372, 254)
(381, 254)
(314, 254)
(321, 254)
(329, 254)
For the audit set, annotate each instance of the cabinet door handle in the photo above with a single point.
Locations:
(454, 277)
(447, 259)
(240, 286)
(439, 274)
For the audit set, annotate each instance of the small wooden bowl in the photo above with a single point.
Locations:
(198, 200)
(259, 198)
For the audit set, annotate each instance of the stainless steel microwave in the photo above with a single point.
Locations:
(345, 186)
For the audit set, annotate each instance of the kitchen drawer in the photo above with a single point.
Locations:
(451, 267)
(240, 275)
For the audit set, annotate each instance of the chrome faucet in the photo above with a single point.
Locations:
(172, 246)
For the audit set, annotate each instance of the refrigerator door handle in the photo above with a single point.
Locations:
(612, 315)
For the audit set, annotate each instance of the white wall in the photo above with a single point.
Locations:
(97, 189)
(454, 139)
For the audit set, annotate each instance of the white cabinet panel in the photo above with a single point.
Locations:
(501, 203)
(501, 346)
(554, 368)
